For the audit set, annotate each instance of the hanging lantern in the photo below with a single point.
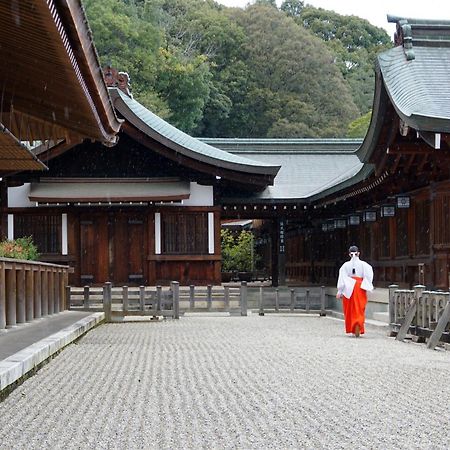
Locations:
(370, 216)
(354, 219)
(403, 201)
(388, 211)
(340, 223)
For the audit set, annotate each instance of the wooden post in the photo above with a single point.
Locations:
(125, 298)
(56, 283)
(21, 314)
(29, 291)
(44, 291)
(277, 300)
(292, 300)
(176, 299)
(440, 327)
(2, 296)
(209, 297)
(158, 298)
(62, 290)
(308, 300)
(86, 297)
(322, 301)
(142, 298)
(51, 292)
(243, 298)
(410, 314)
(261, 301)
(11, 314)
(227, 297)
(392, 306)
(107, 301)
(67, 300)
(37, 294)
(191, 297)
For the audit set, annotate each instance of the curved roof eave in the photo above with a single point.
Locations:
(180, 142)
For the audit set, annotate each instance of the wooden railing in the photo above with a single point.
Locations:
(423, 314)
(30, 290)
(118, 302)
(307, 300)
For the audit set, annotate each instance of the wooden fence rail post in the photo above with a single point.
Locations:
(243, 298)
(11, 314)
(292, 307)
(158, 298)
(176, 299)
(2, 296)
(277, 300)
(142, 298)
(37, 294)
(392, 315)
(29, 291)
(261, 301)
(21, 314)
(44, 292)
(227, 297)
(410, 313)
(68, 300)
(209, 297)
(191, 297)
(86, 297)
(308, 301)
(440, 327)
(322, 301)
(57, 300)
(51, 292)
(107, 301)
(125, 298)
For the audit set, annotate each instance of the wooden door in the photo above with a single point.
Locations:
(93, 249)
(128, 245)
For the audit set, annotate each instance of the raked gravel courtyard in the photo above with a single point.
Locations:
(233, 382)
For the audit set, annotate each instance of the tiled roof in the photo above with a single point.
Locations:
(173, 138)
(308, 166)
(416, 74)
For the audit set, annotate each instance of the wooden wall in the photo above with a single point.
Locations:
(395, 246)
(118, 245)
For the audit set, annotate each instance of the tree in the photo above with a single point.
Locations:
(358, 128)
(292, 8)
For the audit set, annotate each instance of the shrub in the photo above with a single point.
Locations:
(21, 248)
(237, 251)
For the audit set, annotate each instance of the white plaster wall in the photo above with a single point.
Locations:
(18, 197)
(200, 195)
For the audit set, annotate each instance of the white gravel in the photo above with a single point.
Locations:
(233, 382)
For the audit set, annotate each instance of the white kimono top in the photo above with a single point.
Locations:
(354, 268)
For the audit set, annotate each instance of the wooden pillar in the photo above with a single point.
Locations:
(66, 291)
(2, 296)
(4, 214)
(243, 298)
(37, 294)
(11, 316)
(51, 292)
(107, 301)
(281, 251)
(29, 293)
(44, 292)
(62, 290)
(20, 298)
(56, 283)
(274, 252)
(175, 286)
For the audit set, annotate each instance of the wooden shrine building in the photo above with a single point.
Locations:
(390, 195)
(142, 212)
(148, 210)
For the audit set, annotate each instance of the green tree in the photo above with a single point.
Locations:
(358, 128)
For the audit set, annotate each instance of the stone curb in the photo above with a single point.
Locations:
(21, 363)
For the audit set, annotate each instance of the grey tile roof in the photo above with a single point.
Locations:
(308, 166)
(181, 142)
(416, 74)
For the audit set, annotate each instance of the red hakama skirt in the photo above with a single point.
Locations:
(355, 308)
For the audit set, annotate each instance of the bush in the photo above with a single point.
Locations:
(237, 251)
(21, 248)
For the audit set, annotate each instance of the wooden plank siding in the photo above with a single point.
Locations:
(118, 244)
(395, 246)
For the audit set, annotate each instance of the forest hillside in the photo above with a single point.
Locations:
(267, 72)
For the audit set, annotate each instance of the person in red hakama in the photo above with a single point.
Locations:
(355, 280)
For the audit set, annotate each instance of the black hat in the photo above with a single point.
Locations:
(353, 249)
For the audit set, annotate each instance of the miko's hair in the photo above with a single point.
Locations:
(353, 249)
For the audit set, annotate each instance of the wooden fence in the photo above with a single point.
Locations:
(307, 300)
(118, 302)
(30, 290)
(423, 314)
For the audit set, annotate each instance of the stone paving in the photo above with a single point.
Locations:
(274, 382)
